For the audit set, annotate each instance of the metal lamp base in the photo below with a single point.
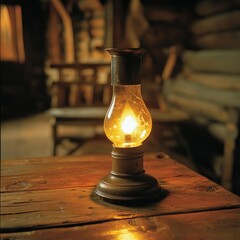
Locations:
(127, 184)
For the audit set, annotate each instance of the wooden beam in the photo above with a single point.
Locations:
(214, 80)
(219, 40)
(68, 30)
(207, 7)
(227, 98)
(215, 23)
(199, 107)
(221, 61)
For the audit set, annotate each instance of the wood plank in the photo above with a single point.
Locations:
(197, 107)
(216, 23)
(219, 40)
(98, 113)
(223, 131)
(228, 98)
(67, 32)
(214, 80)
(157, 13)
(75, 205)
(38, 174)
(83, 113)
(207, 7)
(221, 225)
(53, 35)
(218, 61)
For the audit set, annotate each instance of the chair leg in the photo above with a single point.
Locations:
(54, 136)
(229, 146)
(81, 142)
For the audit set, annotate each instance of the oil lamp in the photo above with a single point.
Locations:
(127, 124)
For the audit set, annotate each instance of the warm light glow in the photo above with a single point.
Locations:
(128, 122)
(127, 235)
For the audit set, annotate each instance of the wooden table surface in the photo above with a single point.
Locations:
(51, 198)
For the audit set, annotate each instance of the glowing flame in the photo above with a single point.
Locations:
(129, 124)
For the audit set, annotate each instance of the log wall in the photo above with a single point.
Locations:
(169, 25)
(211, 70)
(208, 85)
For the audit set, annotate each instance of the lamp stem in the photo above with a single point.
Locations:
(127, 161)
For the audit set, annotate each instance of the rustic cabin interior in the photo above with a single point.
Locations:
(56, 79)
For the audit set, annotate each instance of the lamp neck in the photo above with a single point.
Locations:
(127, 90)
(126, 65)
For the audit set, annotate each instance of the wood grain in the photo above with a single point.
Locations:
(207, 7)
(51, 192)
(221, 22)
(214, 80)
(198, 107)
(221, 225)
(228, 98)
(218, 61)
(219, 40)
(157, 13)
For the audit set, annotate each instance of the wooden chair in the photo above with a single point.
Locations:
(78, 99)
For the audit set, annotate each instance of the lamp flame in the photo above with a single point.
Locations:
(129, 124)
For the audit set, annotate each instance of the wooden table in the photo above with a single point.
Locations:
(51, 198)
